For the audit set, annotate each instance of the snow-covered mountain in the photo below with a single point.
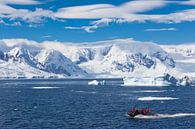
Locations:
(121, 58)
(20, 63)
(55, 62)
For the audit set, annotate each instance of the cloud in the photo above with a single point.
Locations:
(161, 29)
(189, 2)
(20, 2)
(132, 11)
(88, 29)
(93, 25)
(1, 21)
(128, 12)
(177, 17)
(35, 16)
(4, 9)
(16, 23)
(172, 18)
(73, 28)
(46, 36)
(96, 11)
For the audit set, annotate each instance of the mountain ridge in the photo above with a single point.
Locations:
(121, 57)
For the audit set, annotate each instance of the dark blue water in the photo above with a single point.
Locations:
(69, 106)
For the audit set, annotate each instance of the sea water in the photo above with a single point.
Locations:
(76, 105)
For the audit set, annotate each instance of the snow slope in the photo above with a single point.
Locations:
(184, 56)
(22, 70)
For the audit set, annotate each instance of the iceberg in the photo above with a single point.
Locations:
(145, 81)
(95, 82)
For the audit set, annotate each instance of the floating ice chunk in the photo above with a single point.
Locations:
(95, 82)
(145, 81)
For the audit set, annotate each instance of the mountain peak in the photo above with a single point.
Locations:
(55, 62)
(18, 52)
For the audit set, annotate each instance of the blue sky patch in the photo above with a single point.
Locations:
(160, 21)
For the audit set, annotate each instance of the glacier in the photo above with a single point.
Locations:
(139, 63)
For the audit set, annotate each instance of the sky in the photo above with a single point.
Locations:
(159, 21)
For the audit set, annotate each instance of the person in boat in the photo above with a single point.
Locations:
(134, 112)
